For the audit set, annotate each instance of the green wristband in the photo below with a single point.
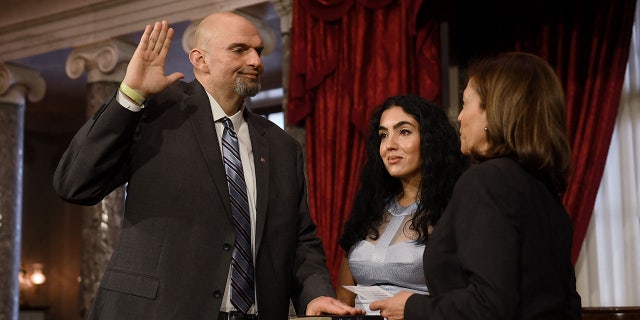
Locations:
(132, 94)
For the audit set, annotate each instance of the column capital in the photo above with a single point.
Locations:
(18, 83)
(103, 61)
(284, 8)
(266, 33)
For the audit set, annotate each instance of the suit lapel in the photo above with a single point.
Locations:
(260, 147)
(198, 110)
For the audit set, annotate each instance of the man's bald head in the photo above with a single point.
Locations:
(226, 58)
(215, 25)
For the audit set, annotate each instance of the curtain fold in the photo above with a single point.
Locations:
(341, 68)
(588, 45)
(593, 103)
(608, 268)
(344, 66)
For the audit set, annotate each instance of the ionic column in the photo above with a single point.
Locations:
(105, 64)
(16, 85)
(284, 8)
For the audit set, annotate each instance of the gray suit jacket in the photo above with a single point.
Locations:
(174, 252)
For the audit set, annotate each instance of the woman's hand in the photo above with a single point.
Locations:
(392, 308)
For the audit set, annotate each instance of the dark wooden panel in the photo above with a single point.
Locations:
(611, 313)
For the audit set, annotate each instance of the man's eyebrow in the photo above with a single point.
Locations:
(238, 44)
(244, 45)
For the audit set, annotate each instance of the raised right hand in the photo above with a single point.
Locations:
(145, 72)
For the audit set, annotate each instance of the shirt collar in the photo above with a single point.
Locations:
(218, 113)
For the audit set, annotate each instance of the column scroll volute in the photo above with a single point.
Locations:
(103, 61)
(284, 8)
(19, 83)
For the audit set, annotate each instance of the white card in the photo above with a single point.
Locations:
(370, 293)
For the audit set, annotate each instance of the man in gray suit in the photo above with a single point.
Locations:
(163, 137)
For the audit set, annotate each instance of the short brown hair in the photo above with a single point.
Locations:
(526, 114)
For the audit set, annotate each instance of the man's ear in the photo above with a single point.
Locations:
(197, 58)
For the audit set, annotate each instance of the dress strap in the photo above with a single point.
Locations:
(398, 214)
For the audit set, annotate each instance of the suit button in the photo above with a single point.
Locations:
(217, 294)
(226, 247)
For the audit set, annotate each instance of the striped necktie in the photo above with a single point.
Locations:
(242, 289)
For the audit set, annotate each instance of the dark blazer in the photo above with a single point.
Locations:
(502, 250)
(174, 252)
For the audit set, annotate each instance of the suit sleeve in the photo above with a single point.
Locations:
(485, 232)
(311, 274)
(95, 163)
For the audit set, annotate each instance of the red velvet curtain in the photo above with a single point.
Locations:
(347, 56)
(589, 47)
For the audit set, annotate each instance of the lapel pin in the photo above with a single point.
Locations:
(263, 160)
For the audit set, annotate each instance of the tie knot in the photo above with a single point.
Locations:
(226, 122)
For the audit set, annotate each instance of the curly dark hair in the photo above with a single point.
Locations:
(441, 164)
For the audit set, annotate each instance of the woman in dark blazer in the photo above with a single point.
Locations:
(502, 249)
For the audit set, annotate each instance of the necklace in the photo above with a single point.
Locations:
(396, 210)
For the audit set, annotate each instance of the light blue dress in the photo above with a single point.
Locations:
(392, 266)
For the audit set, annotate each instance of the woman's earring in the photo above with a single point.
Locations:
(486, 129)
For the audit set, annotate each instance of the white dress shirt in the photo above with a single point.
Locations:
(246, 156)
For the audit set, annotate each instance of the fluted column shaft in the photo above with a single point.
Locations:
(15, 84)
(105, 64)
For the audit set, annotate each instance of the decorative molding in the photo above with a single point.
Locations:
(96, 23)
(17, 82)
(104, 61)
(284, 8)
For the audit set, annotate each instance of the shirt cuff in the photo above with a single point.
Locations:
(128, 104)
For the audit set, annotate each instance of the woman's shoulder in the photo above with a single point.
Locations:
(496, 166)
(502, 163)
(494, 172)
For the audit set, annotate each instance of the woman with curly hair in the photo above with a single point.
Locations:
(413, 162)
